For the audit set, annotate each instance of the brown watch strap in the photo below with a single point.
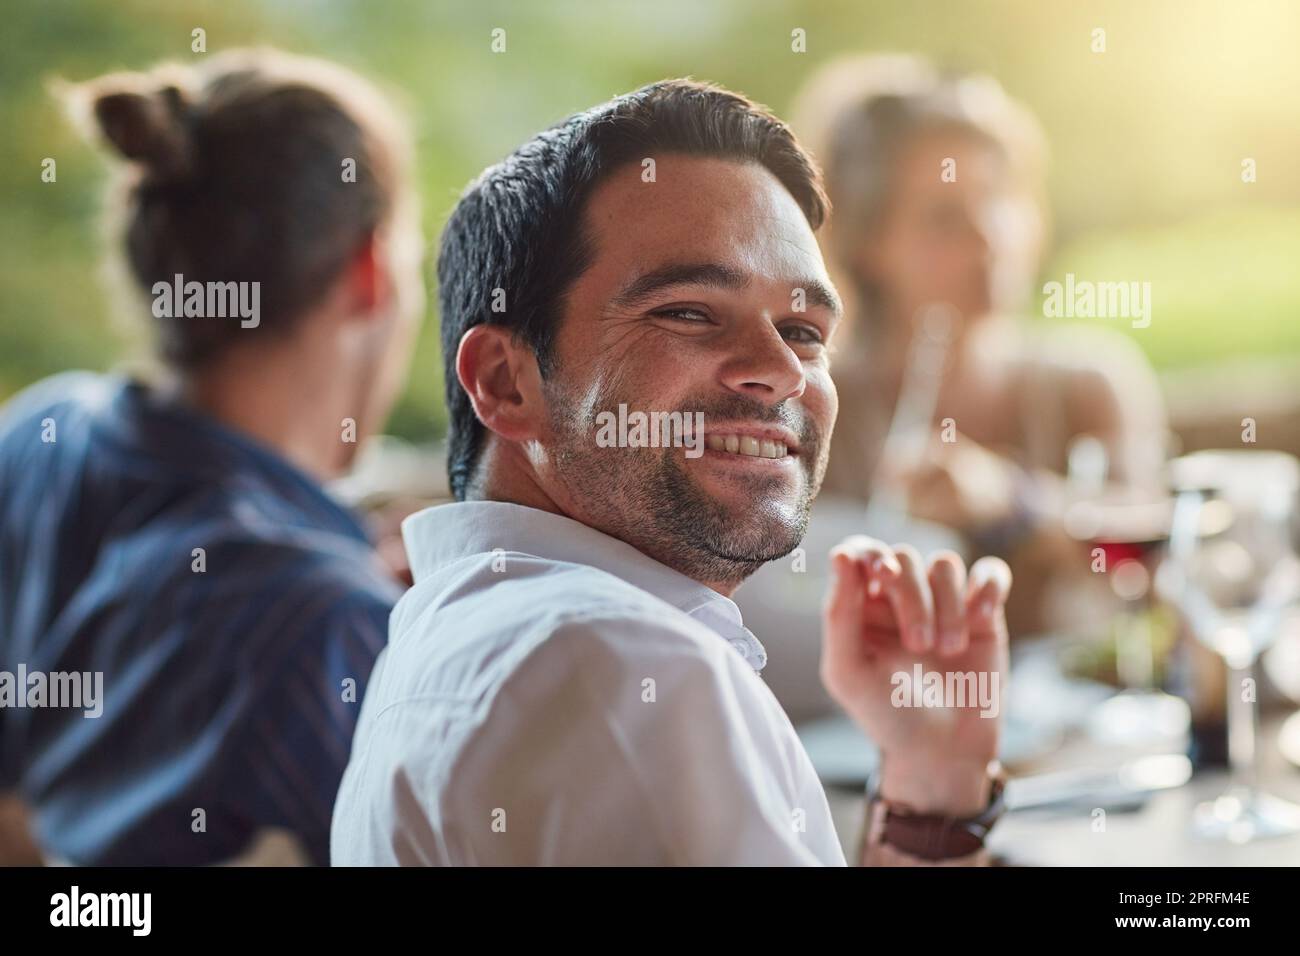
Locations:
(932, 837)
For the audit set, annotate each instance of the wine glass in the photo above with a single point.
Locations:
(1128, 527)
(1233, 571)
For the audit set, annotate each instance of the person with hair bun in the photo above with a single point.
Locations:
(172, 534)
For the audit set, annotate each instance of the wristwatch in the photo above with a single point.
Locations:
(930, 837)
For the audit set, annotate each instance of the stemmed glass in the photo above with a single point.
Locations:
(1129, 528)
(1233, 571)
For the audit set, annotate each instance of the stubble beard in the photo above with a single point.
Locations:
(648, 498)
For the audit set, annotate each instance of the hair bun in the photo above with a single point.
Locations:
(146, 126)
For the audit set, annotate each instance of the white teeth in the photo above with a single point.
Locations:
(747, 445)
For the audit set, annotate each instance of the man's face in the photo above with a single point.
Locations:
(706, 292)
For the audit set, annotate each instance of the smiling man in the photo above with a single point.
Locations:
(569, 682)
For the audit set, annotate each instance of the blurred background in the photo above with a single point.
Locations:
(1147, 142)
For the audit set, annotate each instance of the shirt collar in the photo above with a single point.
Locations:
(437, 536)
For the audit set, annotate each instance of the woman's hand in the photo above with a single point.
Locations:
(959, 484)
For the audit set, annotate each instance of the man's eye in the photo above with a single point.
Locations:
(803, 334)
(683, 315)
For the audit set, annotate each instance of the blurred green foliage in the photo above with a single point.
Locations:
(1147, 137)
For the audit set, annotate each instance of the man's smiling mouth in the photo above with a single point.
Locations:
(747, 445)
(744, 440)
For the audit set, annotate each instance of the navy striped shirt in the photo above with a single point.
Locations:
(227, 671)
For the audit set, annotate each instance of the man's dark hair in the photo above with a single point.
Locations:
(517, 229)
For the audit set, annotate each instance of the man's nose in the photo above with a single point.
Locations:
(762, 365)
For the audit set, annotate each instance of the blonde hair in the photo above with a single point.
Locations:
(857, 113)
(235, 172)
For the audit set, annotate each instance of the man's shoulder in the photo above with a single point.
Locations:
(531, 598)
(69, 401)
(65, 389)
(471, 657)
(531, 681)
(470, 630)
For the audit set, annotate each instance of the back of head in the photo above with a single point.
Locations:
(515, 242)
(258, 166)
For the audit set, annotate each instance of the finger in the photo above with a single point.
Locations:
(850, 561)
(948, 588)
(909, 595)
(987, 588)
(858, 564)
(843, 614)
(876, 558)
(844, 599)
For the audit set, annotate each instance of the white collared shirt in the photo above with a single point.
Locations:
(551, 695)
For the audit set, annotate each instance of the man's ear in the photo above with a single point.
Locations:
(366, 279)
(501, 378)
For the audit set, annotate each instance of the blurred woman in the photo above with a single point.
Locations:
(169, 541)
(936, 185)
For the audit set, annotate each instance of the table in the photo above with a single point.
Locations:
(1159, 834)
